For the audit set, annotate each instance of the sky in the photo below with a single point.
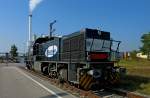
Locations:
(127, 20)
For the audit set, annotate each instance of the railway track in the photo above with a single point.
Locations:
(104, 93)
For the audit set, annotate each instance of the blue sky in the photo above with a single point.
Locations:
(127, 20)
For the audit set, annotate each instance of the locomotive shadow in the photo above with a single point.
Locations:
(133, 82)
(54, 96)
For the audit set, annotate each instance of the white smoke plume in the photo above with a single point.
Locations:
(33, 4)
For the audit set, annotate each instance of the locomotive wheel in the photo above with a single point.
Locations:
(63, 74)
(61, 79)
(45, 70)
(53, 74)
(28, 67)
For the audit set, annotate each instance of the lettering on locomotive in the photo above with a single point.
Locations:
(51, 51)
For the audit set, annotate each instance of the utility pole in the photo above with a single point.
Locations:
(51, 28)
(6, 59)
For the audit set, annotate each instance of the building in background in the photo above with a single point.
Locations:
(140, 55)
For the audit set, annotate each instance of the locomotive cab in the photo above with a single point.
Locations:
(100, 47)
(91, 55)
(102, 54)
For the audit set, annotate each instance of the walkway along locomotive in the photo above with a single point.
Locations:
(85, 58)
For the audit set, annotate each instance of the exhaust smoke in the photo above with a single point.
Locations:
(33, 4)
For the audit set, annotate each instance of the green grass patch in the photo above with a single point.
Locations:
(145, 88)
(135, 63)
(138, 76)
(137, 67)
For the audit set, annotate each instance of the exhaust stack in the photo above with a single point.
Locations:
(30, 29)
(51, 28)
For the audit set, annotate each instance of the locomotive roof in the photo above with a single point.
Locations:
(82, 31)
(41, 40)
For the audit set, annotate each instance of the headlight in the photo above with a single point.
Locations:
(95, 73)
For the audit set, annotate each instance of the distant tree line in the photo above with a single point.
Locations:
(145, 39)
(13, 52)
(145, 48)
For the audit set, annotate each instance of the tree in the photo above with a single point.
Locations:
(13, 51)
(145, 39)
(133, 54)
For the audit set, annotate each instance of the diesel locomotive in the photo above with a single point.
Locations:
(87, 58)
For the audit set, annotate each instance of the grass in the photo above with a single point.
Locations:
(137, 67)
(138, 75)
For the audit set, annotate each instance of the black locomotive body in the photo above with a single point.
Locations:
(86, 58)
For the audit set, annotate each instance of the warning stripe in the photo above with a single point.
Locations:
(111, 76)
(82, 78)
(117, 76)
(86, 81)
(114, 77)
